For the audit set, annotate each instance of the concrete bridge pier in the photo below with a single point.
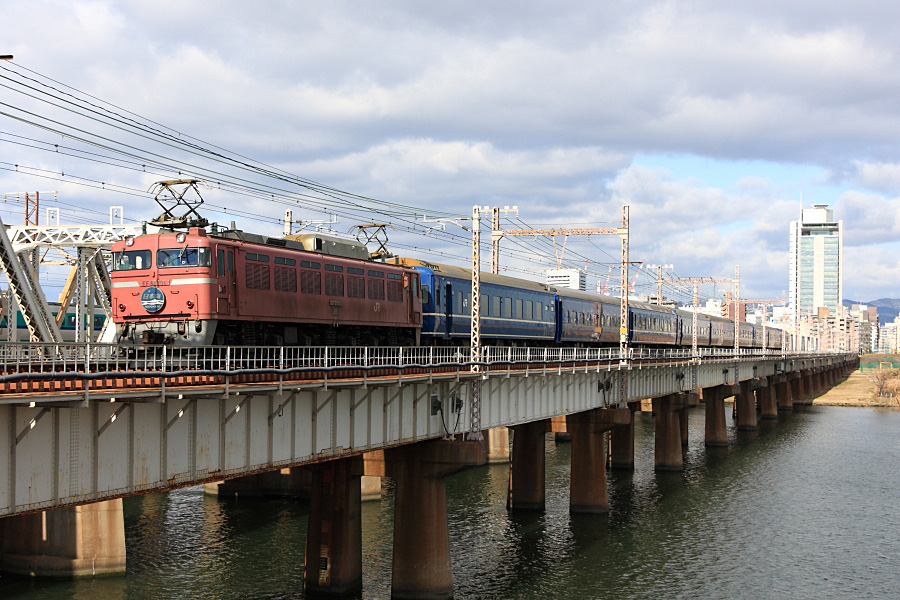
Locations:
(334, 534)
(291, 482)
(667, 448)
(621, 442)
(783, 393)
(527, 474)
(745, 405)
(587, 480)
(75, 541)
(768, 403)
(796, 381)
(496, 445)
(421, 565)
(714, 398)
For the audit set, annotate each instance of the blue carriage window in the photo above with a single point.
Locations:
(518, 308)
(507, 307)
(495, 305)
(529, 309)
(486, 303)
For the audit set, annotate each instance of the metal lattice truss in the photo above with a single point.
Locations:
(27, 293)
(59, 240)
(83, 247)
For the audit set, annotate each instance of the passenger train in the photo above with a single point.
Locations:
(230, 287)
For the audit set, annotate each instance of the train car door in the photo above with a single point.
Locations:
(226, 296)
(558, 318)
(448, 309)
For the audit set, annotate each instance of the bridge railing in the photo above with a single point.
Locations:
(88, 357)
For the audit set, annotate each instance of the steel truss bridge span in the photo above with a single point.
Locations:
(88, 422)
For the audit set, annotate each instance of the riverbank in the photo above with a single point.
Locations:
(856, 390)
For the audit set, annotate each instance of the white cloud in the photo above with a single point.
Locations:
(445, 106)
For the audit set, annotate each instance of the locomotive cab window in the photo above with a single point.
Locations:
(183, 257)
(131, 260)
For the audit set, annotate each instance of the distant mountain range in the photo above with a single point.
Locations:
(888, 308)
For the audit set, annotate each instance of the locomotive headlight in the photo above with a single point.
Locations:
(180, 237)
(190, 304)
(129, 241)
(121, 307)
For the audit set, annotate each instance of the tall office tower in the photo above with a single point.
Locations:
(816, 261)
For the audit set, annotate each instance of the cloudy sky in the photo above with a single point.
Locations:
(714, 121)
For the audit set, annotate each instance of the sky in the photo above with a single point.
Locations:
(714, 121)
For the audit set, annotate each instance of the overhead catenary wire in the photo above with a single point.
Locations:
(119, 154)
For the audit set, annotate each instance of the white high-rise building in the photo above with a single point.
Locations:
(816, 275)
(575, 279)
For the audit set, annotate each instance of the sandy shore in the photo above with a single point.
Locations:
(856, 390)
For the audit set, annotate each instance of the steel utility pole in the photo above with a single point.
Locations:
(659, 280)
(496, 234)
(475, 337)
(737, 308)
(737, 320)
(696, 281)
(624, 364)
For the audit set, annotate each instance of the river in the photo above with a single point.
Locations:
(806, 507)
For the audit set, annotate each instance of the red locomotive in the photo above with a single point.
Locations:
(230, 287)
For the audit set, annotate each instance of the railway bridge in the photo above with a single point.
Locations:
(83, 425)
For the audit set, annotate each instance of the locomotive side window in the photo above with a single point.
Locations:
(285, 279)
(376, 288)
(334, 283)
(131, 259)
(394, 291)
(335, 268)
(280, 260)
(257, 276)
(310, 282)
(183, 257)
(220, 263)
(230, 262)
(356, 286)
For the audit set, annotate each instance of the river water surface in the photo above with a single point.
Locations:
(807, 507)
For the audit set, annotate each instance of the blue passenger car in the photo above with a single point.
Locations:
(512, 310)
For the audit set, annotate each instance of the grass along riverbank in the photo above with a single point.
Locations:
(857, 390)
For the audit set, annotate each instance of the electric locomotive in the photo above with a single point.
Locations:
(230, 287)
